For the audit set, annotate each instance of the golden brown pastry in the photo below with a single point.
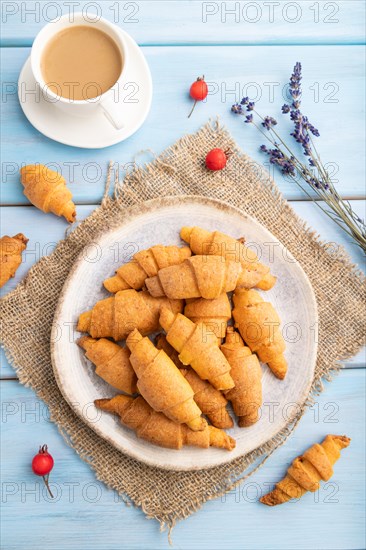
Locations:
(259, 325)
(307, 470)
(11, 249)
(197, 277)
(117, 316)
(112, 363)
(214, 313)
(162, 343)
(162, 384)
(157, 429)
(145, 263)
(47, 190)
(254, 274)
(211, 402)
(246, 396)
(197, 347)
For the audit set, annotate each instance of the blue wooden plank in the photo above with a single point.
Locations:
(153, 22)
(85, 515)
(44, 231)
(333, 96)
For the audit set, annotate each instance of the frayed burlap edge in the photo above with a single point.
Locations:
(27, 313)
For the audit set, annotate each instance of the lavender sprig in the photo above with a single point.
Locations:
(312, 172)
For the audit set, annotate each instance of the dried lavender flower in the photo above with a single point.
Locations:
(269, 122)
(312, 173)
(237, 109)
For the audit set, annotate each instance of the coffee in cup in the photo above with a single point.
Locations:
(81, 65)
(81, 62)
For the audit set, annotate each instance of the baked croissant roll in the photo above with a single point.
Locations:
(11, 249)
(112, 363)
(162, 384)
(214, 313)
(199, 276)
(157, 429)
(211, 401)
(197, 346)
(145, 263)
(246, 396)
(308, 470)
(117, 316)
(259, 325)
(47, 190)
(254, 274)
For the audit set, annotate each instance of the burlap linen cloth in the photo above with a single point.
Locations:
(27, 314)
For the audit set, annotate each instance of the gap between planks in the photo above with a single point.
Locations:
(234, 44)
(81, 203)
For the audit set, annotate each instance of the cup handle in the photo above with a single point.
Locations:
(111, 111)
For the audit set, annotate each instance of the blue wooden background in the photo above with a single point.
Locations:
(243, 48)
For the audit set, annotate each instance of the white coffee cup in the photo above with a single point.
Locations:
(107, 101)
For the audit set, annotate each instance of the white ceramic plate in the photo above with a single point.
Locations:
(95, 131)
(159, 221)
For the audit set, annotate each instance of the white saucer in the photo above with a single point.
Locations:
(90, 132)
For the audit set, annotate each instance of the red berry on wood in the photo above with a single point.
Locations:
(42, 464)
(217, 158)
(198, 91)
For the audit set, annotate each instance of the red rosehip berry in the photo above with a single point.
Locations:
(198, 91)
(216, 159)
(42, 464)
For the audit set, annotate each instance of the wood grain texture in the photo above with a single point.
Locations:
(158, 22)
(85, 515)
(333, 96)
